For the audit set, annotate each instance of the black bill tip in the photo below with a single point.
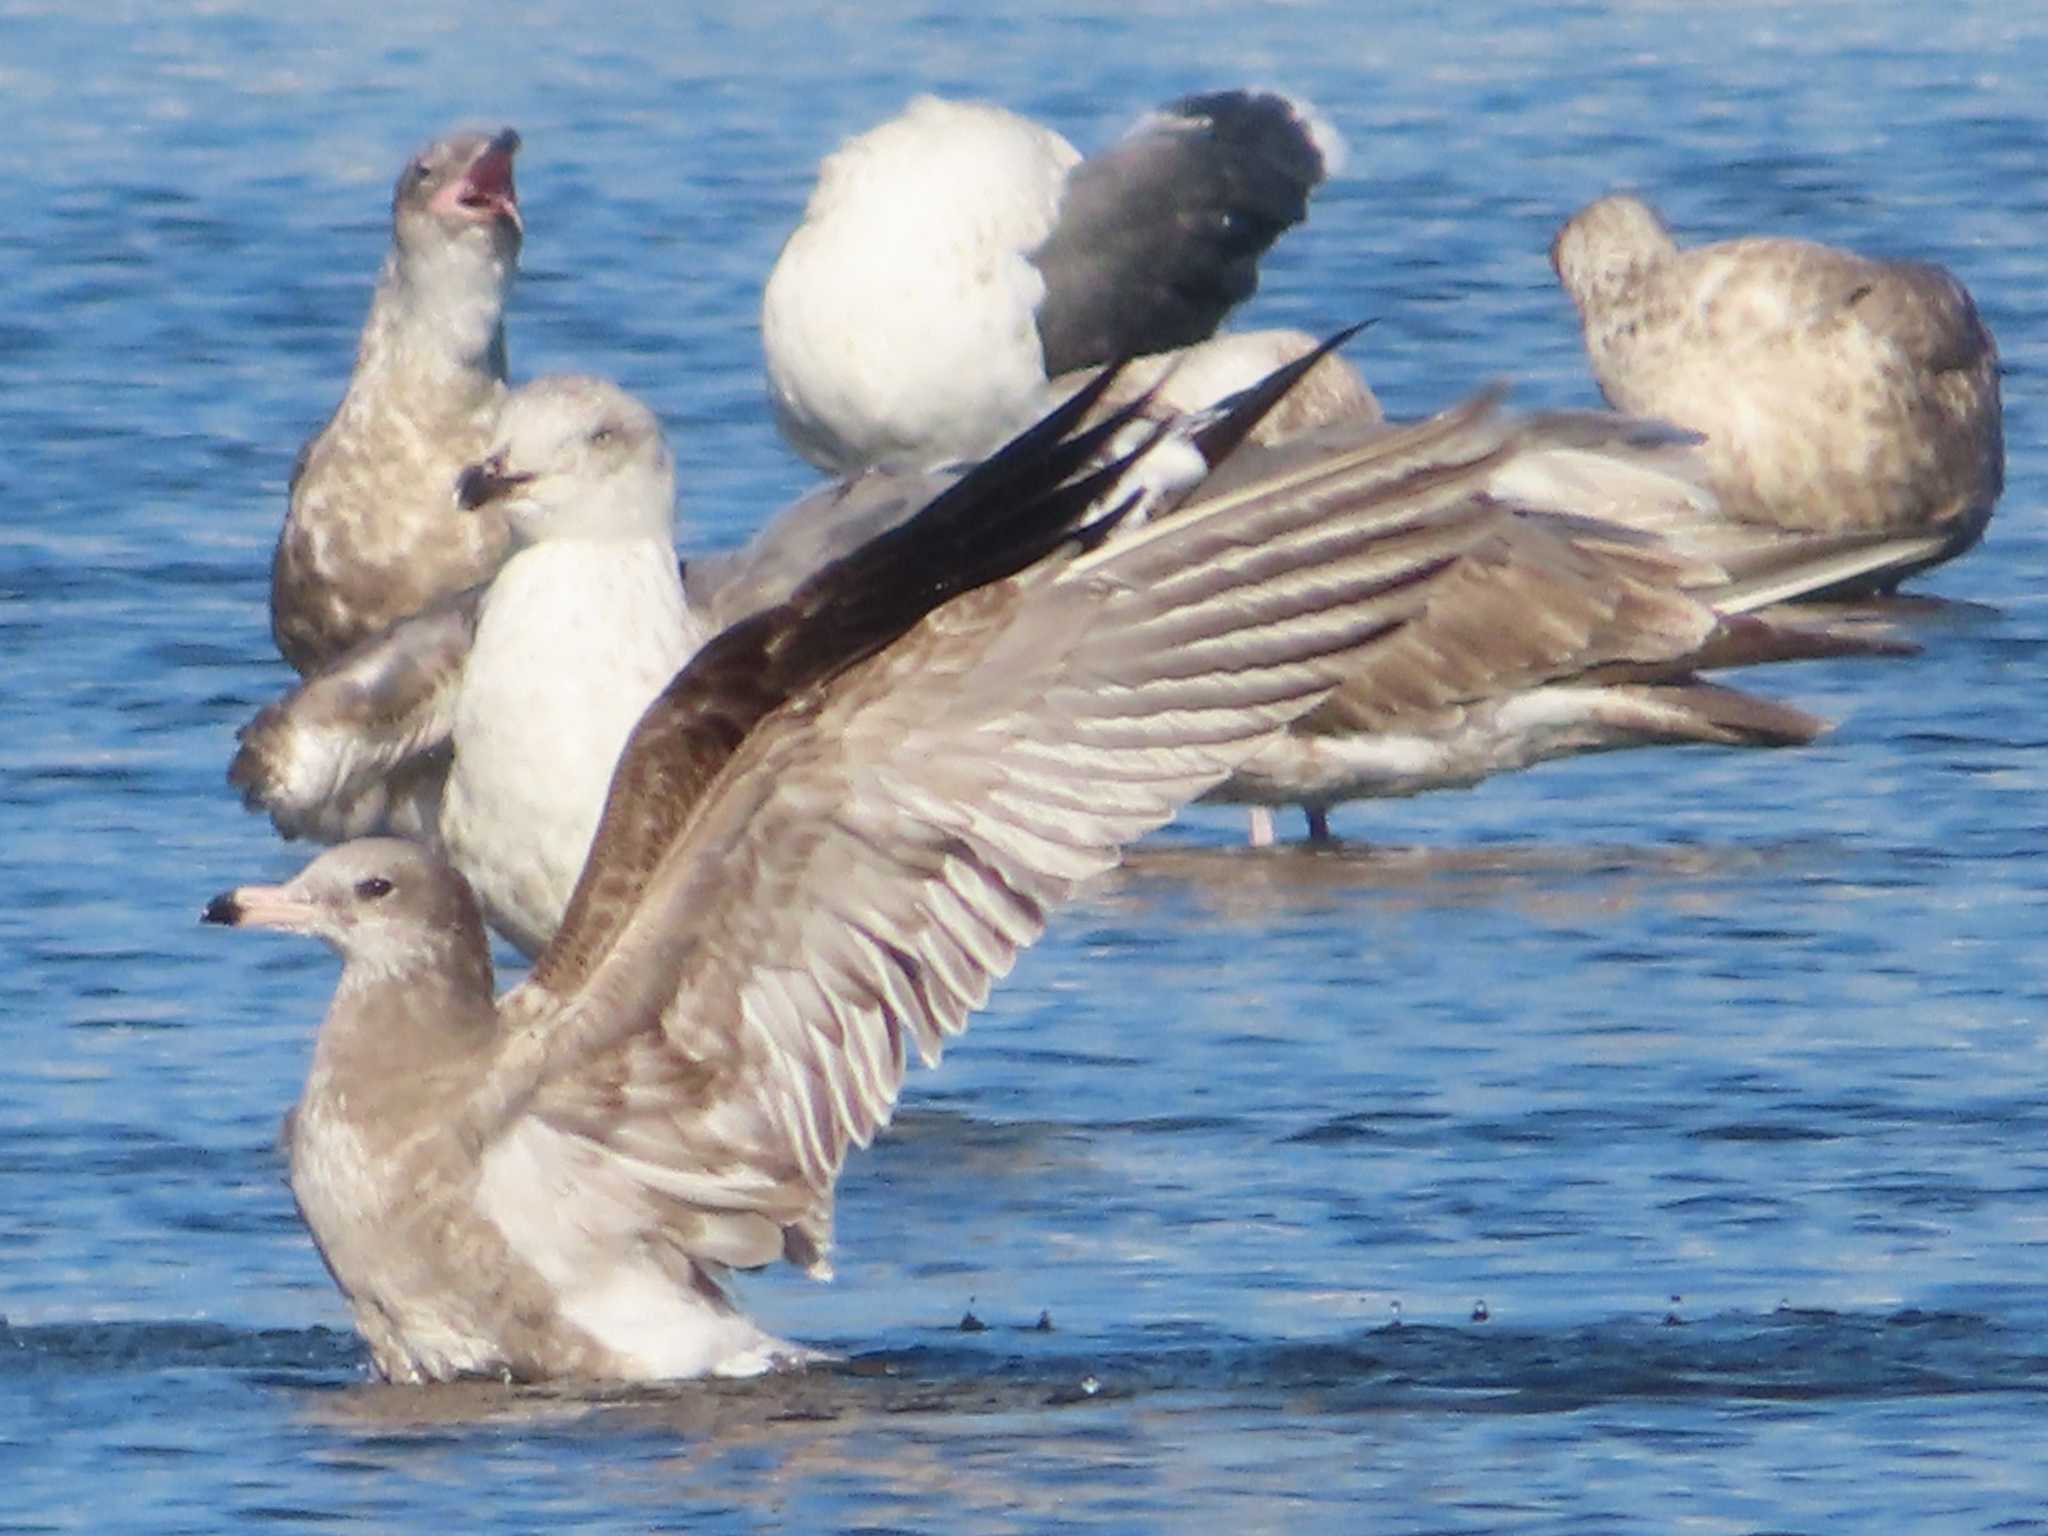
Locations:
(223, 909)
(481, 484)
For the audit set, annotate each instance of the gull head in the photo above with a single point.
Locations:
(388, 903)
(1606, 243)
(455, 201)
(576, 457)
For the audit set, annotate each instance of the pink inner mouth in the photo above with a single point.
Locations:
(490, 179)
(489, 183)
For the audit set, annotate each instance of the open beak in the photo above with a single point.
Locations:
(485, 482)
(488, 184)
(260, 906)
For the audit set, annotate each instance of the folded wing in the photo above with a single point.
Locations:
(361, 745)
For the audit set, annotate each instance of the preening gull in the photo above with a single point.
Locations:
(1850, 407)
(533, 683)
(955, 258)
(826, 839)
(368, 540)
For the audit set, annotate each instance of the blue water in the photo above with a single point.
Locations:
(1640, 1144)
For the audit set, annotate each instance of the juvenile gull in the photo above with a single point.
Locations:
(953, 259)
(1567, 630)
(367, 539)
(827, 838)
(531, 687)
(1850, 406)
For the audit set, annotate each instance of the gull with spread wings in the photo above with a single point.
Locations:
(827, 838)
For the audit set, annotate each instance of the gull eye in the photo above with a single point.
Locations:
(373, 888)
(417, 171)
(604, 436)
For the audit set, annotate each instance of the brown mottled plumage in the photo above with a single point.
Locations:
(372, 535)
(1838, 396)
(1568, 629)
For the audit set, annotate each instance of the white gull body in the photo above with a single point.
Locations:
(955, 258)
(582, 626)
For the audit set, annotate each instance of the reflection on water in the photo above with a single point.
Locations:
(1483, 1365)
(1536, 879)
(1027, 1428)
(1784, 1353)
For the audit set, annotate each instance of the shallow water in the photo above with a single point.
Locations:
(1640, 1143)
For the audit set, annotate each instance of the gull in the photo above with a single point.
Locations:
(1575, 626)
(575, 636)
(510, 702)
(954, 260)
(827, 838)
(1850, 407)
(367, 539)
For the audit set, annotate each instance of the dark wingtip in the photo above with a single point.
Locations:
(223, 909)
(1248, 407)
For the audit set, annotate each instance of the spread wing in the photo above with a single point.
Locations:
(1554, 589)
(361, 745)
(1611, 569)
(880, 848)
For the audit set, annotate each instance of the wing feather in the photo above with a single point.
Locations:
(876, 853)
(361, 745)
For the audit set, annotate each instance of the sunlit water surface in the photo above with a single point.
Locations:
(1645, 1143)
